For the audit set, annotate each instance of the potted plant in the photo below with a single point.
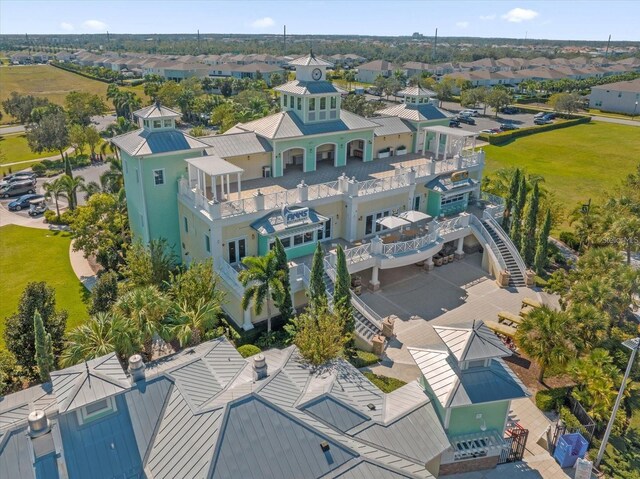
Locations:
(401, 150)
(384, 153)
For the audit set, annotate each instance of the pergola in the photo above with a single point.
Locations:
(455, 140)
(214, 167)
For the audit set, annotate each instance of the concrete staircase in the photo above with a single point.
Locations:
(365, 328)
(517, 278)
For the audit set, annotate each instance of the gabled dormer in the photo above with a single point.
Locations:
(157, 117)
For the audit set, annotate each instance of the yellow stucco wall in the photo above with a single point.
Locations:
(194, 240)
(393, 141)
(251, 164)
(380, 204)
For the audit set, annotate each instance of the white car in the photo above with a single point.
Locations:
(469, 112)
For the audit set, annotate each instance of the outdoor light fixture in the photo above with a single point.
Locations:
(371, 406)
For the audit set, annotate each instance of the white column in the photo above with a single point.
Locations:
(228, 188)
(221, 188)
(374, 284)
(239, 185)
(247, 324)
(459, 250)
(214, 193)
(446, 146)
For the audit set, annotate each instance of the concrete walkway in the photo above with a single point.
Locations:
(82, 268)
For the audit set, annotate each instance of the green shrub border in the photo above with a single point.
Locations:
(80, 72)
(502, 138)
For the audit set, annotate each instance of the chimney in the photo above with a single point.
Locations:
(38, 423)
(259, 367)
(136, 368)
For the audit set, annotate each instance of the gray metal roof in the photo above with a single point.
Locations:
(214, 165)
(391, 125)
(88, 382)
(438, 369)
(144, 142)
(299, 87)
(157, 111)
(423, 112)
(196, 382)
(472, 343)
(333, 412)
(363, 469)
(236, 144)
(417, 435)
(261, 441)
(310, 60)
(274, 223)
(288, 125)
(15, 456)
(417, 91)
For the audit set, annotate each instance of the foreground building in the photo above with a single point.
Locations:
(208, 413)
(312, 173)
(619, 97)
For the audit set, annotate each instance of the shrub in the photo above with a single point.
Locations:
(104, 293)
(384, 383)
(248, 350)
(274, 339)
(39, 169)
(362, 359)
(570, 239)
(51, 217)
(569, 419)
(551, 399)
(506, 136)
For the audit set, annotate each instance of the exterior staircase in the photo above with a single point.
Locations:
(365, 327)
(514, 263)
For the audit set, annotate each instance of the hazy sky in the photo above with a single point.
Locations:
(552, 19)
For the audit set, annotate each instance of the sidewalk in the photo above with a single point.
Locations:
(82, 268)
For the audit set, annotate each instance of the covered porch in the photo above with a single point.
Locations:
(444, 142)
(215, 178)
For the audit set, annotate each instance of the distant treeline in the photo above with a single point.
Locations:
(394, 49)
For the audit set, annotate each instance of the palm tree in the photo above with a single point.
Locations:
(547, 336)
(147, 308)
(112, 180)
(54, 189)
(71, 186)
(101, 334)
(189, 324)
(262, 281)
(626, 230)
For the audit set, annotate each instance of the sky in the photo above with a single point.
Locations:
(544, 19)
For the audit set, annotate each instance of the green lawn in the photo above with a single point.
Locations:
(30, 254)
(578, 162)
(16, 148)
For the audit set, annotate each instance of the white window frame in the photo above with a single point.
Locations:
(167, 123)
(84, 416)
(155, 183)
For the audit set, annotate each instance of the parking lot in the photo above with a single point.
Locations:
(489, 121)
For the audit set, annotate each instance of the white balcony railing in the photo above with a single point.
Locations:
(230, 275)
(493, 247)
(410, 246)
(507, 242)
(358, 253)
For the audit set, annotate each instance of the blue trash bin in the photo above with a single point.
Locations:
(570, 447)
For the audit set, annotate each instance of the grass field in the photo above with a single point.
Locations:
(16, 148)
(578, 163)
(30, 254)
(49, 82)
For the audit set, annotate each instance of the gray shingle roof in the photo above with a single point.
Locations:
(288, 125)
(144, 142)
(156, 111)
(299, 87)
(236, 144)
(414, 112)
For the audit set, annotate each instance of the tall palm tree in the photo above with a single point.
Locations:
(547, 336)
(147, 308)
(71, 186)
(189, 324)
(54, 189)
(262, 281)
(101, 334)
(112, 180)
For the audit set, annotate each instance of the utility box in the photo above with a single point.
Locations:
(569, 449)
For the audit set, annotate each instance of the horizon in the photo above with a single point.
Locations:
(526, 20)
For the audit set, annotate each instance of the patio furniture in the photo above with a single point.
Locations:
(390, 239)
(508, 331)
(392, 222)
(414, 216)
(437, 260)
(356, 280)
(508, 318)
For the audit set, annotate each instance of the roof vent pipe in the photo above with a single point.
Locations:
(259, 367)
(136, 368)
(38, 423)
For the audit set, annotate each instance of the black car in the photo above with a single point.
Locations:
(508, 126)
(23, 202)
(466, 119)
(549, 116)
(509, 110)
(453, 123)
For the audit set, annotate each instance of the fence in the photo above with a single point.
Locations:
(516, 441)
(587, 425)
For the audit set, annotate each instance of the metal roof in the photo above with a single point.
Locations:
(391, 125)
(454, 132)
(144, 142)
(196, 382)
(274, 223)
(424, 112)
(288, 125)
(310, 60)
(417, 91)
(236, 144)
(299, 87)
(214, 165)
(156, 111)
(334, 413)
(472, 343)
(363, 469)
(261, 441)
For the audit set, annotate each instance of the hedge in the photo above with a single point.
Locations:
(501, 138)
(81, 73)
(247, 350)
(551, 399)
(362, 359)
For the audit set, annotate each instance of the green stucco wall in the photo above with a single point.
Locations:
(434, 399)
(433, 204)
(292, 253)
(462, 420)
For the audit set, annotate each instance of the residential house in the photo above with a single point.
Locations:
(368, 72)
(619, 97)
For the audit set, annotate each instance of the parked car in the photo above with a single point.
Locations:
(17, 188)
(19, 174)
(19, 177)
(550, 116)
(541, 121)
(23, 202)
(453, 123)
(508, 126)
(510, 110)
(469, 112)
(492, 131)
(466, 119)
(539, 114)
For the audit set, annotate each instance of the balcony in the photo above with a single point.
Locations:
(265, 194)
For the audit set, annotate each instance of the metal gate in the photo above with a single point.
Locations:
(586, 428)
(516, 441)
